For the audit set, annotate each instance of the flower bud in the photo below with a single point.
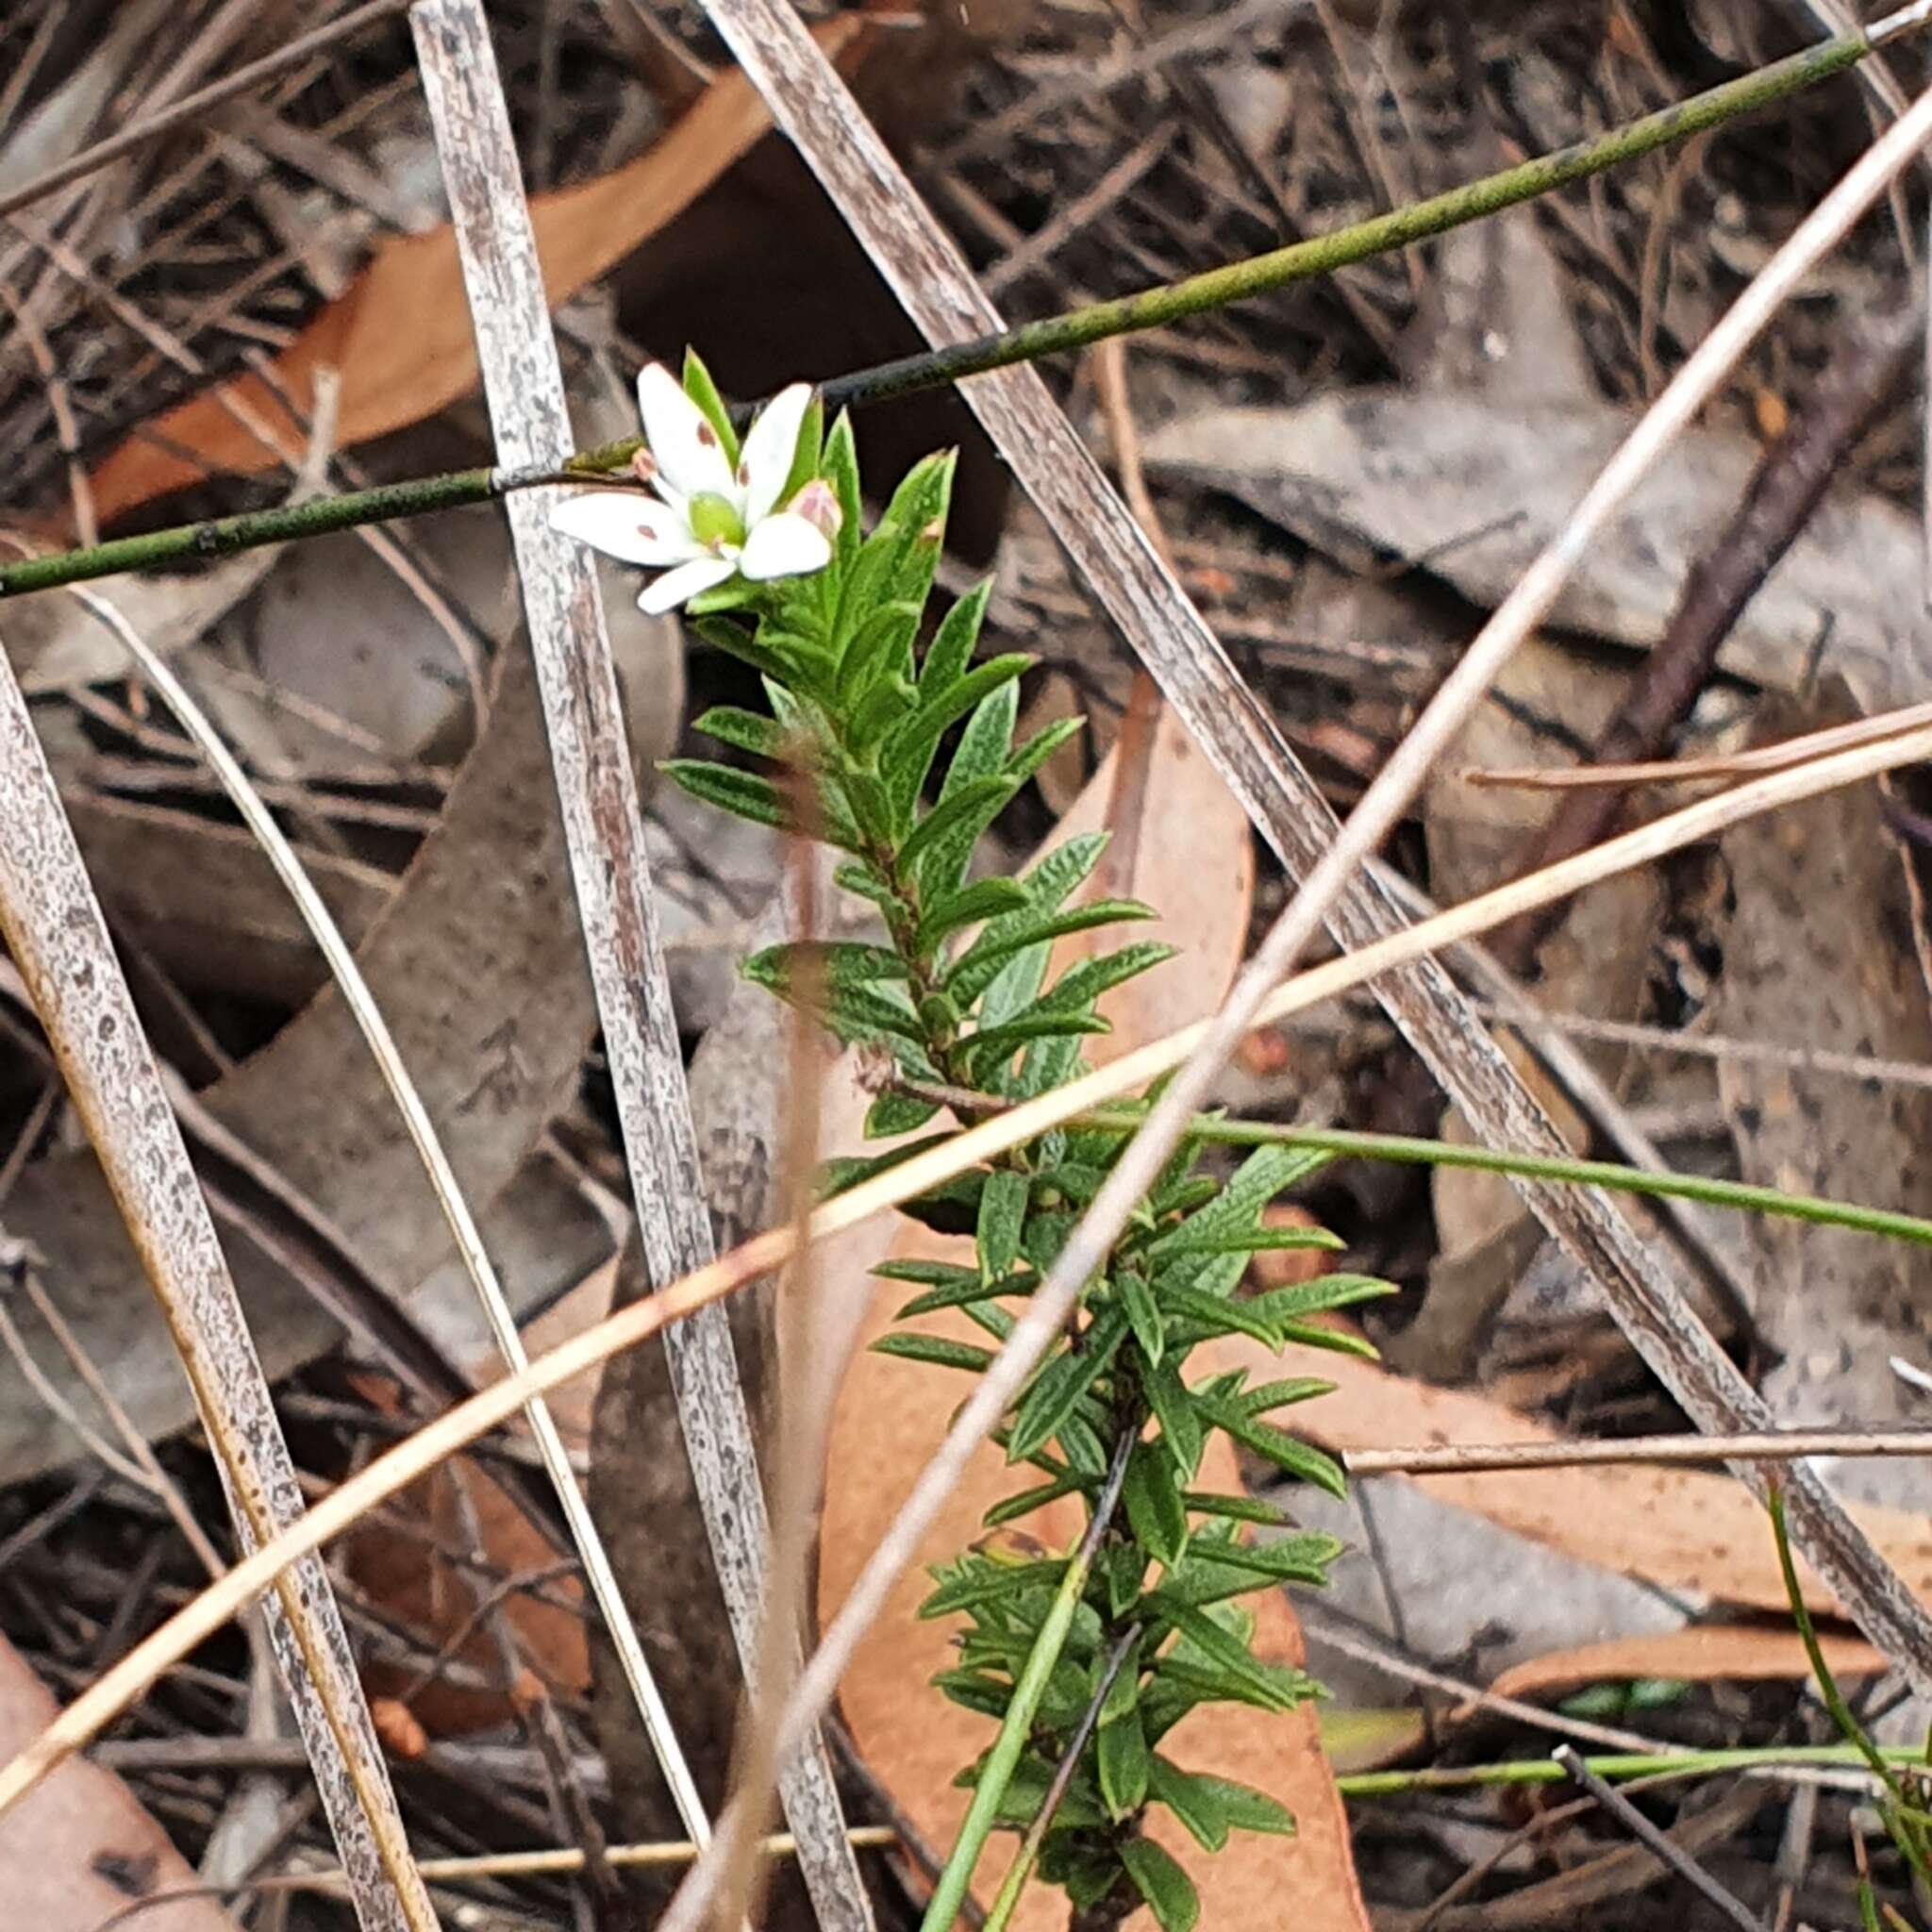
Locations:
(818, 504)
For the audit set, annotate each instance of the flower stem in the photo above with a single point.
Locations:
(1154, 307)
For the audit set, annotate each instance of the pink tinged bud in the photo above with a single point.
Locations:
(818, 504)
(644, 465)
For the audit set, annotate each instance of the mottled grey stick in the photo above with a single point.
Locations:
(604, 828)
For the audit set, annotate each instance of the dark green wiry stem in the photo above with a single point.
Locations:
(1151, 309)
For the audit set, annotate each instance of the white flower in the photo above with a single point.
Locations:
(701, 524)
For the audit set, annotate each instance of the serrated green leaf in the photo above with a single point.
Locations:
(1052, 1399)
(1193, 1800)
(982, 899)
(1121, 1758)
(1288, 1454)
(1153, 1501)
(699, 386)
(911, 742)
(940, 1351)
(1002, 1221)
(1325, 1292)
(1168, 1891)
(743, 793)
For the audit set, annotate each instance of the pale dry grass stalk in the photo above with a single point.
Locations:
(1764, 1445)
(411, 1460)
(57, 935)
(604, 830)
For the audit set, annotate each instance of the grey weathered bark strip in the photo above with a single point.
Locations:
(936, 287)
(603, 829)
(52, 927)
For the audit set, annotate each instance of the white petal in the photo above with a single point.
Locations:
(681, 585)
(675, 432)
(628, 526)
(784, 546)
(769, 448)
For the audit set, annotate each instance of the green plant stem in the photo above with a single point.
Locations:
(1014, 1883)
(949, 1892)
(1413, 1151)
(1905, 1821)
(1617, 1767)
(1150, 308)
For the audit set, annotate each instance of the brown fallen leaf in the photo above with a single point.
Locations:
(892, 1414)
(400, 336)
(1685, 1530)
(1701, 1654)
(79, 1848)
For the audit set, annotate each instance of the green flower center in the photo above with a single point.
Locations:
(714, 520)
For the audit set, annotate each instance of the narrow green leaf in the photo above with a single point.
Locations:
(1243, 1241)
(839, 465)
(1172, 1404)
(941, 1350)
(1153, 1501)
(1027, 1501)
(982, 960)
(1144, 1314)
(984, 1581)
(1081, 984)
(982, 899)
(1193, 1800)
(975, 1691)
(1301, 1559)
(1282, 1394)
(1293, 1458)
(699, 386)
(897, 1113)
(821, 964)
(1041, 746)
(743, 793)
(1236, 1509)
(1121, 1758)
(1168, 1891)
(1216, 1314)
(1002, 1221)
(1246, 1677)
(1248, 1809)
(745, 730)
(980, 754)
(951, 650)
(980, 800)
(1060, 1385)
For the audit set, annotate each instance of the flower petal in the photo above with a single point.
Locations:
(681, 585)
(628, 526)
(784, 546)
(770, 445)
(686, 446)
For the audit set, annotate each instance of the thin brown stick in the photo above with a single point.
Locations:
(1762, 1445)
(611, 869)
(54, 927)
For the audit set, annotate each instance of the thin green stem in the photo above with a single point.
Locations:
(1905, 1821)
(1155, 308)
(1413, 1151)
(1618, 1767)
(1014, 1883)
(1004, 1759)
